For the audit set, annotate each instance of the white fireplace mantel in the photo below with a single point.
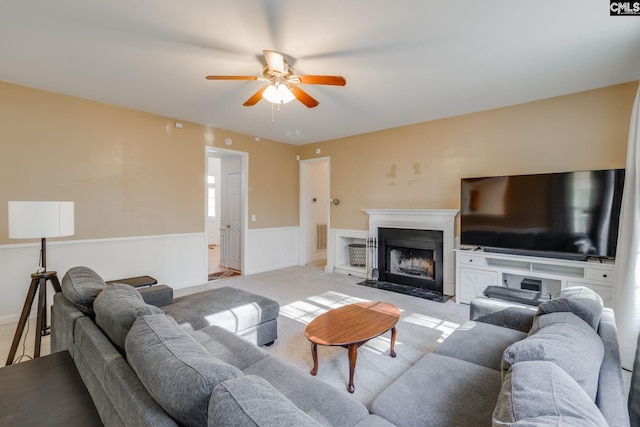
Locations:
(422, 219)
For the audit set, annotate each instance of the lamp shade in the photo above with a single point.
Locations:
(40, 219)
(278, 94)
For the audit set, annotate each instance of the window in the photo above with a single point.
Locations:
(211, 196)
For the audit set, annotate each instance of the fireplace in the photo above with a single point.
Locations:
(409, 228)
(411, 257)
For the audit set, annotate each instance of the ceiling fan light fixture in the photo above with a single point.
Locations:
(278, 94)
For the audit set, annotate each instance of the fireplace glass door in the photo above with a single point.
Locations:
(411, 262)
(411, 257)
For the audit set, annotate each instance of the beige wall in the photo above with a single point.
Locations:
(420, 166)
(273, 178)
(132, 173)
(129, 173)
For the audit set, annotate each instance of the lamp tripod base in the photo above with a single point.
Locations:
(38, 285)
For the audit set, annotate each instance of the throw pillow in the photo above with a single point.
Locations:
(116, 308)
(252, 401)
(580, 292)
(81, 285)
(567, 341)
(176, 371)
(583, 302)
(541, 394)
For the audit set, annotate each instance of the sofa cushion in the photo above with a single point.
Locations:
(227, 347)
(580, 292)
(319, 400)
(440, 391)
(176, 370)
(583, 302)
(480, 343)
(158, 295)
(567, 341)
(252, 401)
(539, 393)
(81, 286)
(116, 308)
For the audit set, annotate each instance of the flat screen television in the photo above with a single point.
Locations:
(572, 215)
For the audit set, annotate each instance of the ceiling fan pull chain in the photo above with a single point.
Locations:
(273, 120)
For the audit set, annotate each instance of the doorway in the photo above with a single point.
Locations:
(226, 201)
(314, 211)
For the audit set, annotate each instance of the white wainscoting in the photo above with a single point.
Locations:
(178, 260)
(270, 249)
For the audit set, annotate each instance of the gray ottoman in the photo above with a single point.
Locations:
(250, 316)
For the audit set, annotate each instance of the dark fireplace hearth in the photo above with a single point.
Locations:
(410, 262)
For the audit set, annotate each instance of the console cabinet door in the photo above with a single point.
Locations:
(473, 282)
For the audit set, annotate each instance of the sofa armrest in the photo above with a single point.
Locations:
(612, 394)
(502, 313)
(158, 295)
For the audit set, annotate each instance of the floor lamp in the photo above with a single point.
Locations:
(29, 220)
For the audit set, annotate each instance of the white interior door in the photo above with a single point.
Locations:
(234, 226)
(232, 195)
(314, 210)
(213, 201)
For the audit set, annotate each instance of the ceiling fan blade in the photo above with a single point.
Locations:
(303, 96)
(255, 97)
(275, 61)
(322, 80)
(232, 78)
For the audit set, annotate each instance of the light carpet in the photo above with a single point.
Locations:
(306, 292)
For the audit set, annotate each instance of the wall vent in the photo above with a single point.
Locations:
(321, 237)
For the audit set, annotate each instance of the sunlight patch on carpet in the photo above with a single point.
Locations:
(334, 299)
(302, 311)
(379, 345)
(305, 311)
(314, 306)
(446, 328)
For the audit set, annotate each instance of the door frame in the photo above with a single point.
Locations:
(211, 151)
(303, 220)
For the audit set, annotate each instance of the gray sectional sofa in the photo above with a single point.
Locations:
(143, 367)
(509, 365)
(517, 365)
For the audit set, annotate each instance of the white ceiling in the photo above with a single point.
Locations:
(405, 61)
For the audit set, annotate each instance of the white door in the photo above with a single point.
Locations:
(314, 210)
(232, 195)
(234, 225)
(213, 201)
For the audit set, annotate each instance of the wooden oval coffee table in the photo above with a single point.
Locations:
(350, 327)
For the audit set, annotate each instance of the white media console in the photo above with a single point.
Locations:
(475, 270)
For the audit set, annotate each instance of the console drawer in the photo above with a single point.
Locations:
(471, 260)
(597, 274)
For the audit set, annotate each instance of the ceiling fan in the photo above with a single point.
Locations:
(282, 82)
